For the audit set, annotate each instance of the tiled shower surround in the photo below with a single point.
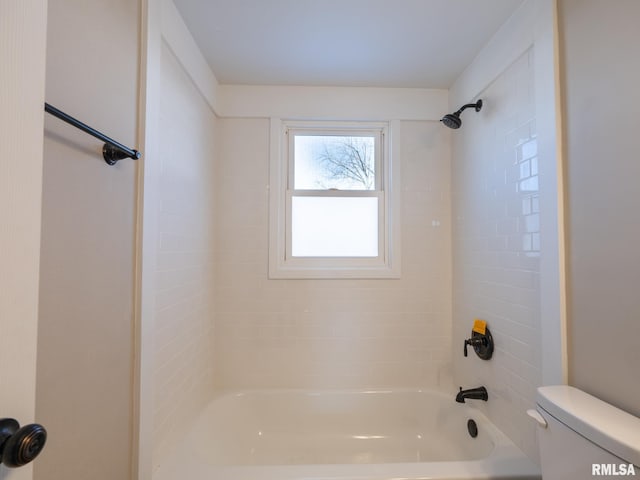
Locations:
(470, 236)
(332, 333)
(496, 248)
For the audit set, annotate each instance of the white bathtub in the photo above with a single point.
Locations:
(363, 435)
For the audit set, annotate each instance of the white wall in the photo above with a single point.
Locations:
(497, 246)
(178, 225)
(85, 344)
(505, 235)
(601, 70)
(183, 361)
(331, 333)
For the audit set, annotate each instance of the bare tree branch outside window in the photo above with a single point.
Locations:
(349, 161)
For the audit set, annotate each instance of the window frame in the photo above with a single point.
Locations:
(281, 263)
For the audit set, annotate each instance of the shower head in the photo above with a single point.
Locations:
(452, 120)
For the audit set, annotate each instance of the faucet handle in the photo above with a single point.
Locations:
(481, 343)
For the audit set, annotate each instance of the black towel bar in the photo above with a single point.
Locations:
(112, 150)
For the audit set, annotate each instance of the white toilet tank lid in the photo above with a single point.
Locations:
(605, 425)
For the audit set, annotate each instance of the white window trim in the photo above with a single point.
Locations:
(387, 265)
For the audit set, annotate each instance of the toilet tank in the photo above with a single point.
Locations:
(585, 437)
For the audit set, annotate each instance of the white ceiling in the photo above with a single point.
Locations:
(378, 43)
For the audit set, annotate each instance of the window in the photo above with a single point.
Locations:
(331, 198)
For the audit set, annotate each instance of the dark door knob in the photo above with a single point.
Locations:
(19, 446)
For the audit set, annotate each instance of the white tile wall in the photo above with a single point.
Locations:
(183, 334)
(496, 248)
(331, 333)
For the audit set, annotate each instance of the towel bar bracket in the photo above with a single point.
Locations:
(113, 154)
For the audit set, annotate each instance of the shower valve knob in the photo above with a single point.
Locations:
(474, 342)
(482, 344)
(19, 446)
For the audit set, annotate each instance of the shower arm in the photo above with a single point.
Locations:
(477, 106)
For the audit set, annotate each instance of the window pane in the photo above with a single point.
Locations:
(322, 162)
(334, 227)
